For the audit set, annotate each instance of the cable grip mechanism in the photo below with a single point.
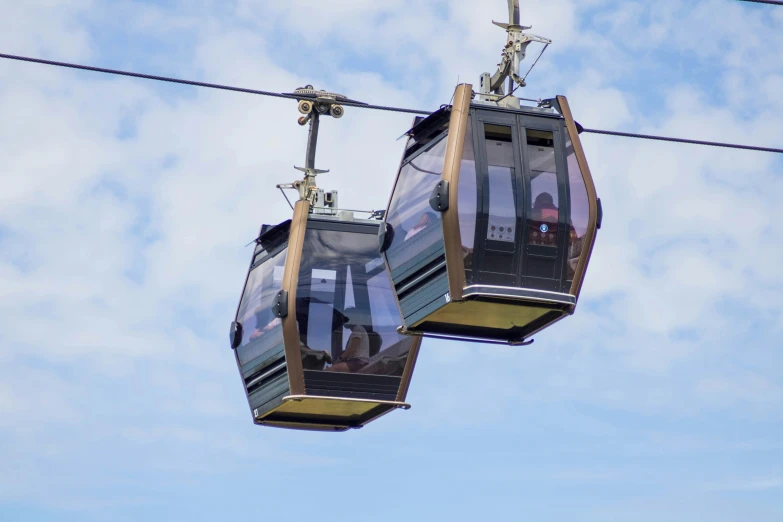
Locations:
(312, 105)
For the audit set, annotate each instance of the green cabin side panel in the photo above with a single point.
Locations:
(267, 394)
(270, 395)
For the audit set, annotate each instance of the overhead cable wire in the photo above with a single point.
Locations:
(143, 76)
(360, 105)
(524, 78)
(770, 2)
(683, 140)
(197, 84)
(534, 63)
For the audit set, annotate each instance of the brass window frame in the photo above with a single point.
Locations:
(592, 198)
(293, 355)
(458, 125)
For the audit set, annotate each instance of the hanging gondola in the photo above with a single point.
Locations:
(493, 216)
(315, 334)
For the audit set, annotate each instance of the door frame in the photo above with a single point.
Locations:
(556, 126)
(482, 189)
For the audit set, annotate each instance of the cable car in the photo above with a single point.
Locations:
(493, 216)
(315, 334)
(492, 220)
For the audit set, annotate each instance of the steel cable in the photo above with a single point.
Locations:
(683, 140)
(770, 2)
(363, 105)
(197, 84)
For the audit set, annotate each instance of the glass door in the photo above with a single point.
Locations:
(498, 227)
(546, 204)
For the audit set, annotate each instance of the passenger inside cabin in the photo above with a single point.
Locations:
(357, 350)
(544, 208)
(402, 235)
(313, 359)
(266, 321)
(425, 221)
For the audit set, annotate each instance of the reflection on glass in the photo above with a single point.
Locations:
(319, 325)
(416, 226)
(543, 196)
(261, 329)
(468, 199)
(580, 209)
(346, 312)
(501, 225)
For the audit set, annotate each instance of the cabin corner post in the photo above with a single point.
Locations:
(458, 125)
(410, 364)
(592, 198)
(293, 355)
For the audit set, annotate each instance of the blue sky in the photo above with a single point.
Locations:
(126, 205)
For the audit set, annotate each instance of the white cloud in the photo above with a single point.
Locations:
(752, 484)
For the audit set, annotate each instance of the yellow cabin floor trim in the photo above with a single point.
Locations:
(486, 314)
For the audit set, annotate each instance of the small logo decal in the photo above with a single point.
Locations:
(544, 228)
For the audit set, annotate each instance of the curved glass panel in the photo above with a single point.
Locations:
(261, 329)
(543, 195)
(467, 202)
(580, 209)
(499, 194)
(416, 226)
(345, 308)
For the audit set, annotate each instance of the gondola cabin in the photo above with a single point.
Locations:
(315, 334)
(492, 220)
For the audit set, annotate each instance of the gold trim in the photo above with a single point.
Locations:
(488, 314)
(592, 198)
(304, 412)
(410, 364)
(354, 413)
(293, 355)
(455, 265)
(301, 398)
(310, 421)
(461, 310)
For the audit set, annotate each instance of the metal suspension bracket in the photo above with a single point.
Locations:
(313, 104)
(492, 88)
(306, 187)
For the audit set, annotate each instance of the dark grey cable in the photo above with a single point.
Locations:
(362, 105)
(770, 2)
(197, 84)
(144, 76)
(286, 197)
(682, 140)
(534, 63)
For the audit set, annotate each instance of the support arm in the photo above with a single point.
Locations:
(514, 52)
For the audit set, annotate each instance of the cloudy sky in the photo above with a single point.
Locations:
(126, 205)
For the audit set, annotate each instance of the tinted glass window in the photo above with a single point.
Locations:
(468, 199)
(543, 196)
(422, 134)
(261, 329)
(318, 334)
(346, 312)
(580, 209)
(416, 226)
(501, 225)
